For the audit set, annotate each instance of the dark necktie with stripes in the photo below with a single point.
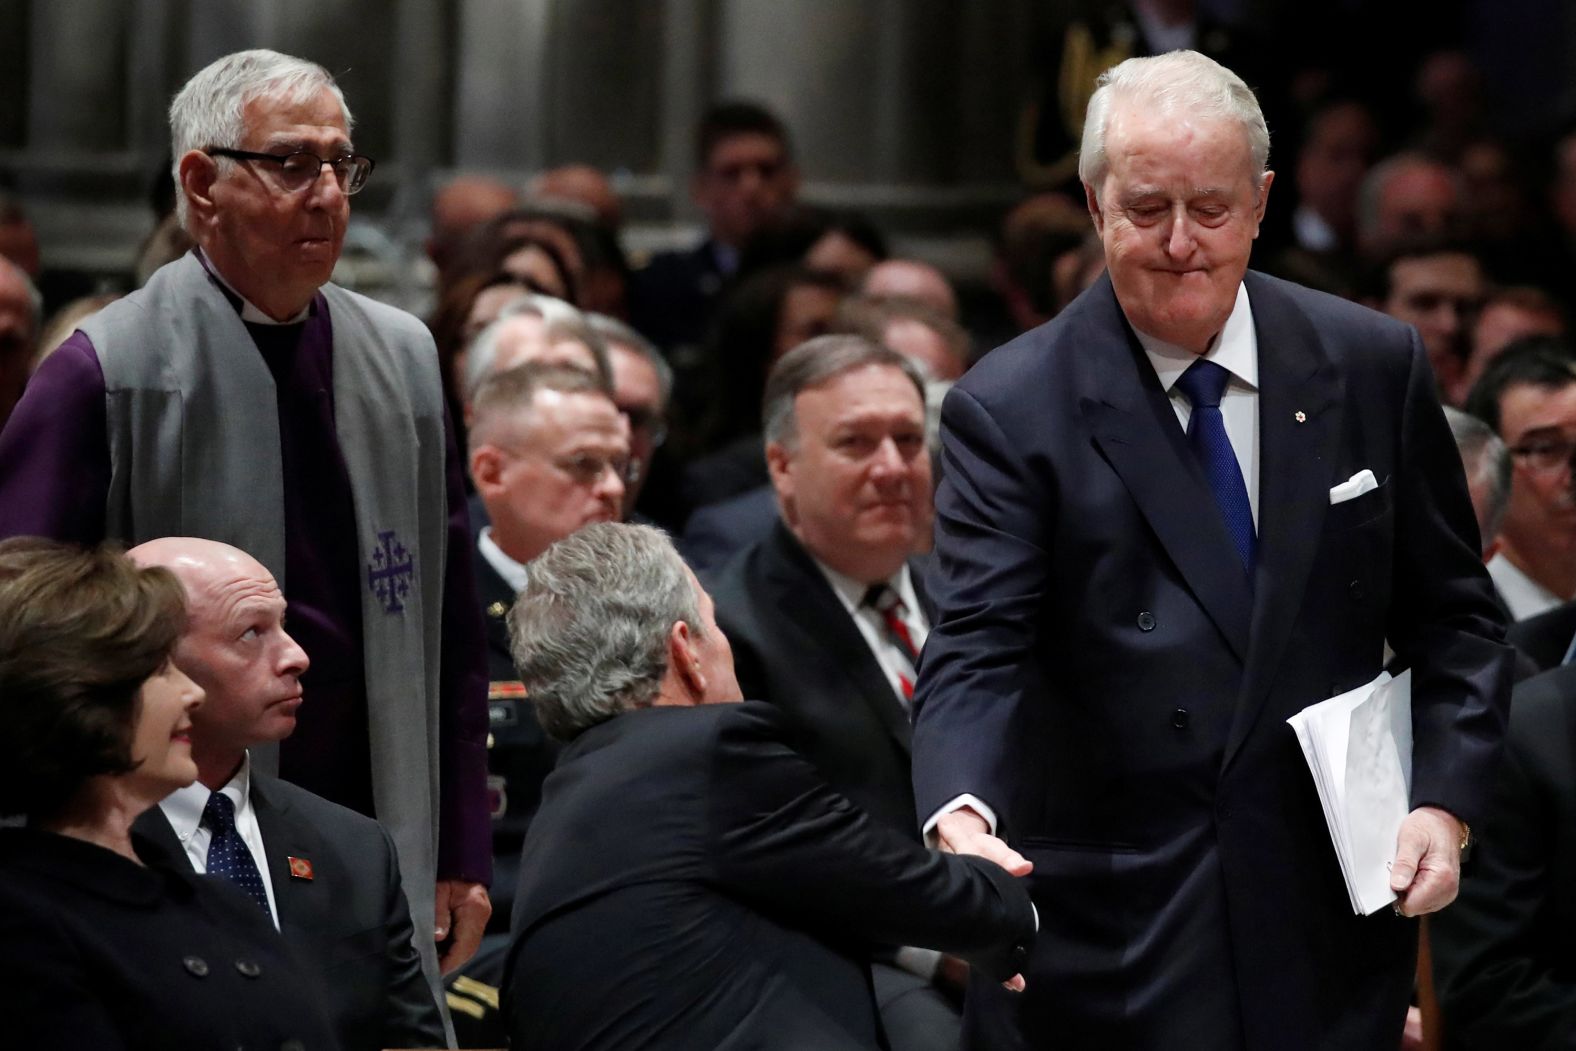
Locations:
(886, 602)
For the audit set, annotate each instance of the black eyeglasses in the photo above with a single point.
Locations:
(299, 170)
(1545, 452)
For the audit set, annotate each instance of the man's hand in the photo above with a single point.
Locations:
(965, 832)
(1427, 868)
(463, 908)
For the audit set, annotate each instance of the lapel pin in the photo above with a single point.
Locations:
(300, 868)
(1300, 416)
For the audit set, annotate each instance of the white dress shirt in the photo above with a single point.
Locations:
(869, 621)
(1235, 349)
(183, 809)
(1523, 596)
(512, 572)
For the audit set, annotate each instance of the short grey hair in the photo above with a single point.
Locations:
(1485, 459)
(564, 323)
(817, 361)
(1177, 80)
(209, 112)
(612, 331)
(589, 632)
(502, 399)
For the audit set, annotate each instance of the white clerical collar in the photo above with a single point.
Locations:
(184, 806)
(1236, 349)
(512, 572)
(249, 311)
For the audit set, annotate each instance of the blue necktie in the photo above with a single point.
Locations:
(228, 856)
(1203, 383)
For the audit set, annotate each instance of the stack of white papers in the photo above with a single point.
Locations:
(1359, 747)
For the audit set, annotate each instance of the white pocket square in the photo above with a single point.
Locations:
(1358, 484)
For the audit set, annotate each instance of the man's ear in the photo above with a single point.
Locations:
(1263, 202)
(684, 661)
(777, 466)
(198, 172)
(1094, 209)
(486, 469)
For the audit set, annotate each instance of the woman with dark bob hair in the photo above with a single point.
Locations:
(103, 943)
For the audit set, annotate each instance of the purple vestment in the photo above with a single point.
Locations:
(54, 477)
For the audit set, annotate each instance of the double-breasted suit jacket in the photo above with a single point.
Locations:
(1105, 676)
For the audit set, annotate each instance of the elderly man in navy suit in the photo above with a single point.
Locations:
(1196, 502)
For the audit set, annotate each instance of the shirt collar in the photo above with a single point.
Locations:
(512, 572)
(1236, 349)
(249, 311)
(852, 593)
(184, 806)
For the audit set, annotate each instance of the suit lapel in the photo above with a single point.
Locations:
(805, 598)
(284, 838)
(1136, 428)
(1299, 421)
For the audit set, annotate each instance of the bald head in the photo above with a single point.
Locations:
(235, 647)
(912, 279)
(583, 185)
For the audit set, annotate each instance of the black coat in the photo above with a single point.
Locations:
(1503, 959)
(349, 924)
(689, 882)
(795, 645)
(97, 952)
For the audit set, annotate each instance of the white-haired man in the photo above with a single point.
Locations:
(1194, 503)
(241, 397)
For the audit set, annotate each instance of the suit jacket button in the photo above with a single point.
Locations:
(248, 968)
(1357, 591)
(196, 966)
(1180, 718)
(1146, 621)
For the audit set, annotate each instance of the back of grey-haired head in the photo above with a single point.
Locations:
(210, 110)
(589, 633)
(1486, 460)
(613, 331)
(564, 322)
(1176, 81)
(817, 361)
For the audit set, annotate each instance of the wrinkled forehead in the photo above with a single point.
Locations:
(307, 118)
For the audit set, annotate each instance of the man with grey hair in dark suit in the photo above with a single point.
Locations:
(689, 880)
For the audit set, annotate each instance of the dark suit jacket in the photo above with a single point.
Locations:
(795, 646)
(672, 298)
(717, 532)
(1103, 674)
(102, 953)
(349, 923)
(1545, 637)
(689, 882)
(1505, 952)
(520, 755)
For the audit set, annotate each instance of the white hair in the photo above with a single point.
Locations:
(209, 112)
(1178, 80)
(564, 323)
